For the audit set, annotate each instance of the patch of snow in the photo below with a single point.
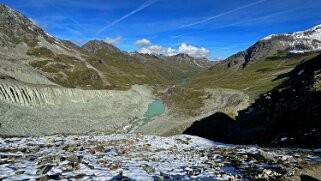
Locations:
(317, 150)
(284, 139)
(49, 35)
(269, 37)
(197, 64)
(297, 51)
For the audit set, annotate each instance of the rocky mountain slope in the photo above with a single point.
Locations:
(298, 42)
(292, 110)
(94, 46)
(33, 54)
(287, 115)
(185, 58)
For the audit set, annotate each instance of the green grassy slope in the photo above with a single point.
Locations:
(254, 79)
(65, 70)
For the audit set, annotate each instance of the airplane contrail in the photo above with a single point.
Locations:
(141, 7)
(223, 14)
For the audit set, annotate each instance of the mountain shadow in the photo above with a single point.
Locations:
(288, 115)
(308, 178)
(221, 127)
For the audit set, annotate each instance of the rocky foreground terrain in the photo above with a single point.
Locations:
(139, 157)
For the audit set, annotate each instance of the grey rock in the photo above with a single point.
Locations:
(120, 176)
(73, 159)
(148, 169)
(19, 172)
(165, 175)
(44, 169)
(262, 156)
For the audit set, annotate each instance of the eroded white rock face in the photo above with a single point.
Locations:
(38, 95)
(27, 109)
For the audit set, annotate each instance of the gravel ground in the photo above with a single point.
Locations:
(140, 157)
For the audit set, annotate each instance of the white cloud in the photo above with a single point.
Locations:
(143, 42)
(193, 51)
(170, 51)
(154, 49)
(114, 41)
(183, 48)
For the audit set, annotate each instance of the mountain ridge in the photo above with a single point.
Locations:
(296, 42)
(93, 46)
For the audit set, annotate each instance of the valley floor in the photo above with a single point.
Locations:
(140, 157)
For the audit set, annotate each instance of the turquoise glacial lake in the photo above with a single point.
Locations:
(155, 108)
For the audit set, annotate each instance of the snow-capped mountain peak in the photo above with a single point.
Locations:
(304, 41)
(297, 42)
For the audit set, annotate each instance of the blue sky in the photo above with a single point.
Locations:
(223, 27)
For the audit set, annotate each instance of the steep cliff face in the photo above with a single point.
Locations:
(38, 95)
